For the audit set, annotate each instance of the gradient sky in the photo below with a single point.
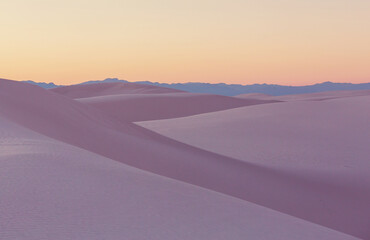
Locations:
(293, 42)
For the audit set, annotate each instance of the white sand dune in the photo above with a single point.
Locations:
(144, 107)
(308, 96)
(323, 95)
(51, 190)
(315, 196)
(260, 96)
(328, 134)
(308, 138)
(137, 102)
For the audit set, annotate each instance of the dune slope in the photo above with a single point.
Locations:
(51, 190)
(328, 137)
(310, 135)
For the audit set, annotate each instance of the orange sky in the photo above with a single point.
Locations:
(293, 42)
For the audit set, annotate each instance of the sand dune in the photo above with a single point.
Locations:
(318, 197)
(51, 190)
(308, 96)
(329, 137)
(323, 95)
(110, 88)
(260, 96)
(143, 107)
(329, 134)
(138, 102)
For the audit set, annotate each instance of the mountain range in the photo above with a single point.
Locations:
(236, 89)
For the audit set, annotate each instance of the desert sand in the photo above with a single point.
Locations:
(74, 171)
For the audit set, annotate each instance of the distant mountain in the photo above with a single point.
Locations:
(52, 85)
(43, 84)
(270, 89)
(105, 80)
(236, 89)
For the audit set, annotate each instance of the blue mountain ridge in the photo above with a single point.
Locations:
(236, 89)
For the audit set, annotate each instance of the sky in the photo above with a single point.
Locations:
(291, 42)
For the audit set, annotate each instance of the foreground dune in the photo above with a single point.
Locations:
(51, 190)
(319, 197)
(137, 102)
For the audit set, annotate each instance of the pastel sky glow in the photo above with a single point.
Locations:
(293, 42)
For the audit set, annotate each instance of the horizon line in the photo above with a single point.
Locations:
(138, 81)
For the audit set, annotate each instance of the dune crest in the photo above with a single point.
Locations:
(139, 102)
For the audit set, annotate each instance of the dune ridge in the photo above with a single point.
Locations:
(144, 107)
(138, 102)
